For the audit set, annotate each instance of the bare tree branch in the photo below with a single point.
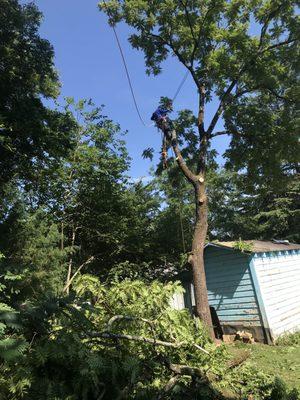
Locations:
(260, 87)
(220, 133)
(221, 107)
(142, 339)
(276, 45)
(88, 261)
(180, 161)
(114, 336)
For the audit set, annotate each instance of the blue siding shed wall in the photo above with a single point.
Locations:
(230, 288)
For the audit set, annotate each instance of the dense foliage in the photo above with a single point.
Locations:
(30, 133)
(118, 341)
(244, 56)
(83, 314)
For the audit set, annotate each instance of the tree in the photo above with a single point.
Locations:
(92, 198)
(266, 166)
(30, 132)
(241, 208)
(86, 206)
(213, 40)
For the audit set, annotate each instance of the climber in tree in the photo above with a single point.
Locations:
(163, 122)
(161, 119)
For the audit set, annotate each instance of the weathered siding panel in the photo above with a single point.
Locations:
(230, 287)
(278, 276)
(177, 301)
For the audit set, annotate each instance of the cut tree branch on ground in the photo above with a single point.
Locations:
(131, 318)
(187, 370)
(238, 360)
(172, 382)
(154, 342)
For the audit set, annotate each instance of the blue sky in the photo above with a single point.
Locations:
(90, 66)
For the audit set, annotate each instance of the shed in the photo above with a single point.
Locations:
(256, 290)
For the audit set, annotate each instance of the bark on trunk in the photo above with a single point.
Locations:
(197, 258)
(201, 224)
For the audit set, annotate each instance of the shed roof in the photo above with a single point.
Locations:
(259, 246)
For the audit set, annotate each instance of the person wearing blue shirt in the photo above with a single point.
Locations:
(163, 122)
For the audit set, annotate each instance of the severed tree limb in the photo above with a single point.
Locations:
(180, 369)
(69, 283)
(169, 386)
(135, 338)
(151, 324)
(187, 370)
(197, 375)
(238, 360)
(200, 348)
(131, 318)
(142, 339)
(172, 382)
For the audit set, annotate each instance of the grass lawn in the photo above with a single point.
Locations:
(281, 361)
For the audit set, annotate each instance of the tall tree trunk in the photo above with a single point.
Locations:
(197, 258)
(201, 224)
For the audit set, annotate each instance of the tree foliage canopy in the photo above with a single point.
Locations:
(30, 132)
(245, 55)
(82, 312)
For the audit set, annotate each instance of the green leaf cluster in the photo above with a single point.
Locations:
(83, 347)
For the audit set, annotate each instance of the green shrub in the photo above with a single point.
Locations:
(290, 339)
(123, 341)
(280, 392)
